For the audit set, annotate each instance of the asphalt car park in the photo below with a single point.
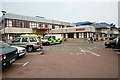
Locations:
(67, 60)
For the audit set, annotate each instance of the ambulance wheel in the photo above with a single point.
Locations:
(48, 43)
(60, 42)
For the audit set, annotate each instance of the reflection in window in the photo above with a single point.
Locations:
(33, 40)
(17, 40)
(24, 39)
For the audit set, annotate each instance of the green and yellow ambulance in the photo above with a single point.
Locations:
(51, 39)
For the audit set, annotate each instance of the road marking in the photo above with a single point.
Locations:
(90, 52)
(25, 64)
(71, 53)
(77, 53)
(114, 49)
(94, 53)
(18, 63)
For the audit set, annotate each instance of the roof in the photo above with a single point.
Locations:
(36, 19)
(97, 25)
(83, 23)
(28, 18)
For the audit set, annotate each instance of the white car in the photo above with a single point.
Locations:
(20, 51)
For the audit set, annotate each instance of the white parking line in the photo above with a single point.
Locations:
(114, 49)
(77, 53)
(94, 53)
(25, 64)
(84, 51)
(71, 53)
(19, 63)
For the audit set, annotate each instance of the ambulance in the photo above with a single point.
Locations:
(51, 39)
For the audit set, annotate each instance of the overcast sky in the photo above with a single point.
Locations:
(66, 10)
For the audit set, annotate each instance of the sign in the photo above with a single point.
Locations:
(80, 29)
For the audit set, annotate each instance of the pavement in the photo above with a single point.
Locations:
(67, 60)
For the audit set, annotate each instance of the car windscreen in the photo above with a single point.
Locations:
(4, 45)
(112, 38)
(46, 37)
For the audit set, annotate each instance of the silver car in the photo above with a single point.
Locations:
(30, 43)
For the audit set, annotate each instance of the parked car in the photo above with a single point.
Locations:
(8, 55)
(118, 42)
(111, 43)
(30, 43)
(20, 51)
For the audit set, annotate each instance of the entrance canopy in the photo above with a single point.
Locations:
(40, 28)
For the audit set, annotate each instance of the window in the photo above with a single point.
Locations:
(13, 23)
(24, 39)
(46, 26)
(4, 45)
(77, 35)
(16, 22)
(17, 40)
(33, 40)
(53, 37)
(20, 24)
(53, 27)
(70, 35)
(40, 25)
(26, 25)
(64, 35)
(85, 35)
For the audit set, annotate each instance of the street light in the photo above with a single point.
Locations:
(3, 17)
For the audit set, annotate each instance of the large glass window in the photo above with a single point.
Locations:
(53, 26)
(4, 45)
(20, 24)
(26, 24)
(46, 26)
(13, 23)
(40, 25)
(85, 35)
(77, 35)
(16, 23)
(70, 35)
(64, 35)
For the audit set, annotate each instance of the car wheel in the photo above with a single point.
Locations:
(30, 49)
(112, 45)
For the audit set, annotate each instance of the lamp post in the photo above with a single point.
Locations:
(3, 18)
